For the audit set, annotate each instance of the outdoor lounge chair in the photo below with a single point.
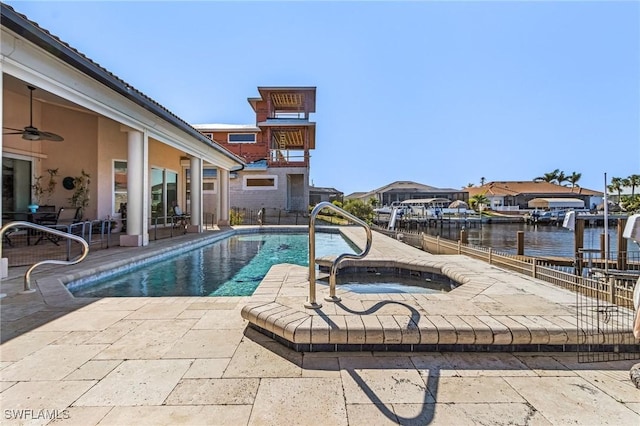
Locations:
(179, 219)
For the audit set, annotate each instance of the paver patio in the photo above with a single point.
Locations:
(191, 360)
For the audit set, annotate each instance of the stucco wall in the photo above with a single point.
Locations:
(249, 198)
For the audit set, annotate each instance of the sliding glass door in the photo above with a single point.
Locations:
(164, 194)
(16, 185)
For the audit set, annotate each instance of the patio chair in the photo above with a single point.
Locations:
(46, 218)
(179, 219)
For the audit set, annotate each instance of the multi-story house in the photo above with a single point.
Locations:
(276, 150)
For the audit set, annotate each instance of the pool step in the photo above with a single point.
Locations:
(309, 330)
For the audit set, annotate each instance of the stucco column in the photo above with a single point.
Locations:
(137, 200)
(223, 197)
(4, 262)
(195, 187)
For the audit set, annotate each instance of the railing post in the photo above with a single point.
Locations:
(612, 289)
(534, 270)
(311, 303)
(490, 255)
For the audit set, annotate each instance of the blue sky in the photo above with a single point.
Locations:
(441, 93)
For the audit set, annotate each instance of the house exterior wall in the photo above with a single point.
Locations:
(256, 198)
(249, 151)
(283, 137)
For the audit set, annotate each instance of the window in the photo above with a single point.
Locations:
(241, 138)
(119, 184)
(260, 182)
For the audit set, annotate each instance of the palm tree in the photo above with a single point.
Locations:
(574, 178)
(616, 186)
(549, 177)
(478, 200)
(482, 180)
(561, 178)
(633, 181)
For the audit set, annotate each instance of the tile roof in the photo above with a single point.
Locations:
(513, 188)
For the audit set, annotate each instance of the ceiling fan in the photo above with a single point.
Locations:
(30, 133)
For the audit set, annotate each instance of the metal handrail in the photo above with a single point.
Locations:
(27, 275)
(311, 303)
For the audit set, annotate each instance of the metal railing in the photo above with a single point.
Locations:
(172, 223)
(615, 286)
(311, 303)
(46, 231)
(268, 216)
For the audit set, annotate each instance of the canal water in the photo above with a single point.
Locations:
(539, 240)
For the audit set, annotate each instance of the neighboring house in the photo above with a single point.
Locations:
(276, 149)
(406, 190)
(318, 195)
(516, 195)
(135, 151)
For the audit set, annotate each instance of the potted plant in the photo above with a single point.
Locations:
(42, 191)
(80, 196)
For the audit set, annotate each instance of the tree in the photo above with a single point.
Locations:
(550, 177)
(561, 178)
(478, 200)
(482, 180)
(574, 178)
(615, 186)
(359, 209)
(633, 181)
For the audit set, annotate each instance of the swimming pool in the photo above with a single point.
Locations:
(233, 266)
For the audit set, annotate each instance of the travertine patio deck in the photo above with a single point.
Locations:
(493, 309)
(194, 361)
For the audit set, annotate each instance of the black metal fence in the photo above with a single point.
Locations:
(267, 216)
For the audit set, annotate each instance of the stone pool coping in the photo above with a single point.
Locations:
(494, 309)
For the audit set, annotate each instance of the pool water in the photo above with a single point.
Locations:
(230, 267)
(367, 283)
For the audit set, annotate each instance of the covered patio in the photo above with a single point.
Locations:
(64, 113)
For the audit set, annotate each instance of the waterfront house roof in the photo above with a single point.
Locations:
(287, 98)
(355, 195)
(514, 188)
(325, 190)
(404, 186)
(31, 31)
(223, 127)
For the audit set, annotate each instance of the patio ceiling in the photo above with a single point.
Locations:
(288, 101)
(288, 138)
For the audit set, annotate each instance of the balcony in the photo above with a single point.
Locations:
(288, 158)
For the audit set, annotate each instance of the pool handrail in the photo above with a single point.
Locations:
(311, 302)
(68, 236)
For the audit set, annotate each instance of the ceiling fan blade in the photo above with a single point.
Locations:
(48, 136)
(31, 133)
